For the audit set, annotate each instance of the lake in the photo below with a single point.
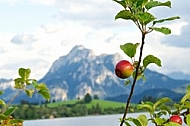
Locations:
(100, 120)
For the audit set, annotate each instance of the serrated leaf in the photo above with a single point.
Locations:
(24, 73)
(185, 97)
(124, 14)
(129, 49)
(166, 19)
(2, 103)
(161, 101)
(122, 3)
(143, 120)
(151, 59)
(45, 94)
(145, 17)
(29, 92)
(163, 30)
(152, 4)
(9, 111)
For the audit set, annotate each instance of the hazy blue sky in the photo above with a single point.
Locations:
(34, 33)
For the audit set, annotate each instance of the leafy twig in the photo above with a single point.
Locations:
(134, 80)
(12, 99)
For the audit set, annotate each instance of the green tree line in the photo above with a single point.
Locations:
(29, 111)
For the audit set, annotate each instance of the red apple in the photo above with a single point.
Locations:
(124, 69)
(176, 119)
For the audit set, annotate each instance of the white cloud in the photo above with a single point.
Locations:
(24, 41)
(46, 2)
(90, 23)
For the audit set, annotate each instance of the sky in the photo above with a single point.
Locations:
(35, 33)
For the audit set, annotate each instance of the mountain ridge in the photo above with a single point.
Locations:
(81, 71)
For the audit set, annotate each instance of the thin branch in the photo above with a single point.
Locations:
(134, 81)
(13, 98)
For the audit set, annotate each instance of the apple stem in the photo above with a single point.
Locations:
(134, 80)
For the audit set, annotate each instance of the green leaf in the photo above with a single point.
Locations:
(34, 82)
(143, 120)
(141, 3)
(145, 17)
(1, 92)
(166, 19)
(185, 97)
(135, 121)
(165, 108)
(140, 76)
(9, 111)
(19, 83)
(161, 101)
(172, 124)
(127, 124)
(152, 4)
(2, 103)
(188, 119)
(14, 121)
(148, 106)
(160, 121)
(24, 73)
(151, 59)
(41, 86)
(163, 30)
(129, 49)
(122, 3)
(187, 104)
(29, 92)
(124, 14)
(45, 94)
(177, 106)
(160, 113)
(3, 117)
(188, 88)
(127, 82)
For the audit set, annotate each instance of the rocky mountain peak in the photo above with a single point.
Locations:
(81, 71)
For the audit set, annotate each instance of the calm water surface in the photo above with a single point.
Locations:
(104, 120)
(101, 120)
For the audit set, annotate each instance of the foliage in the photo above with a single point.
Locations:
(138, 11)
(29, 86)
(71, 108)
(87, 98)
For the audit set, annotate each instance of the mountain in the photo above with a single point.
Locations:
(179, 75)
(81, 71)
(152, 93)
